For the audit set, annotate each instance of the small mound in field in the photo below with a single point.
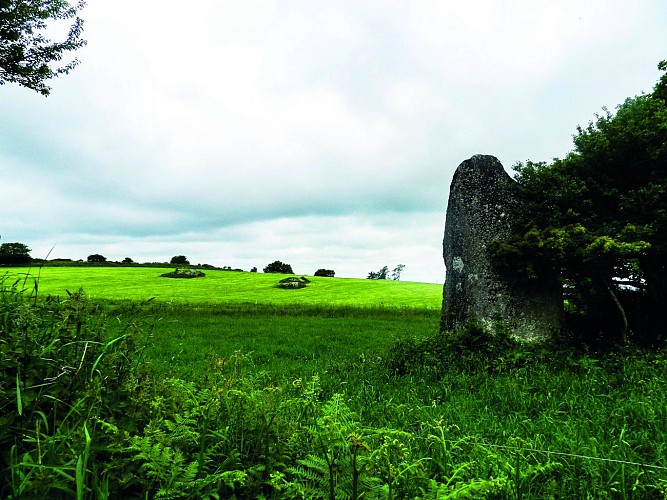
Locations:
(293, 283)
(184, 273)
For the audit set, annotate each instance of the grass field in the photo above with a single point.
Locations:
(225, 287)
(284, 341)
(237, 379)
(332, 320)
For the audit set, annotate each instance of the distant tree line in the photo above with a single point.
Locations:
(18, 253)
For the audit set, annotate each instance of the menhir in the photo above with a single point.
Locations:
(484, 202)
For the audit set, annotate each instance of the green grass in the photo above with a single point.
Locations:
(284, 341)
(227, 287)
(523, 424)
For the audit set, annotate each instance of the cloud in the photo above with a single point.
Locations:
(193, 125)
(351, 245)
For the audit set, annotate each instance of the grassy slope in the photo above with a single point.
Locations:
(224, 287)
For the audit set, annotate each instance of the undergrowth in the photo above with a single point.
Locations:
(85, 415)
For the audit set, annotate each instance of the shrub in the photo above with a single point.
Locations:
(96, 258)
(471, 348)
(327, 273)
(278, 267)
(179, 260)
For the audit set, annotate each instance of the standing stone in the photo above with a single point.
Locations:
(484, 202)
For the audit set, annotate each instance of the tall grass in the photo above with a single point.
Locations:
(284, 340)
(376, 407)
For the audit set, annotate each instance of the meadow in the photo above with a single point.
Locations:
(228, 287)
(211, 390)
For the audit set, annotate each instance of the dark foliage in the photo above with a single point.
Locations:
(598, 219)
(379, 275)
(278, 267)
(96, 258)
(14, 253)
(327, 273)
(469, 349)
(180, 260)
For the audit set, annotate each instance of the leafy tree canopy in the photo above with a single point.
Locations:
(96, 257)
(180, 260)
(278, 267)
(327, 273)
(26, 54)
(14, 253)
(598, 217)
(378, 275)
(396, 272)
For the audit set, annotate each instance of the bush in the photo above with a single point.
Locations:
(96, 258)
(327, 273)
(468, 349)
(278, 267)
(179, 260)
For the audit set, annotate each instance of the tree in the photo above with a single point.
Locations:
(14, 253)
(26, 54)
(180, 260)
(598, 217)
(128, 260)
(327, 273)
(379, 275)
(278, 267)
(396, 273)
(96, 258)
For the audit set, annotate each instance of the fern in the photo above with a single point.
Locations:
(349, 461)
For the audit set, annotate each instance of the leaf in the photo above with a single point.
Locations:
(106, 346)
(19, 403)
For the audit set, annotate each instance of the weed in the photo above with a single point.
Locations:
(317, 411)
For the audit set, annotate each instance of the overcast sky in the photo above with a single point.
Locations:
(321, 134)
